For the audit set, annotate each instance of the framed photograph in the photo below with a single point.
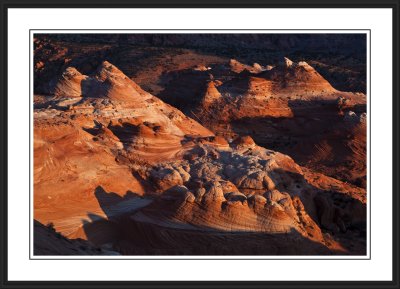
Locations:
(200, 145)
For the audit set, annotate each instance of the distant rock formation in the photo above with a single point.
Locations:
(352, 117)
(298, 79)
(211, 95)
(286, 62)
(236, 66)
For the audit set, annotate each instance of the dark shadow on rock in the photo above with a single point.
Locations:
(93, 88)
(317, 136)
(101, 230)
(95, 130)
(184, 89)
(48, 242)
(149, 239)
(131, 236)
(109, 199)
(125, 133)
(333, 211)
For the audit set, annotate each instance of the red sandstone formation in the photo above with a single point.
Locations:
(119, 170)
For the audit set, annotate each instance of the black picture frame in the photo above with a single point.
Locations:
(4, 160)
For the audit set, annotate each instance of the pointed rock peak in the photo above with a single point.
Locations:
(269, 67)
(218, 83)
(287, 62)
(257, 68)
(68, 84)
(107, 72)
(110, 82)
(212, 89)
(107, 65)
(211, 93)
(71, 72)
(237, 66)
(305, 65)
(106, 68)
(211, 86)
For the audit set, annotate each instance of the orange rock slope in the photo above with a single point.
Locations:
(288, 107)
(118, 167)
